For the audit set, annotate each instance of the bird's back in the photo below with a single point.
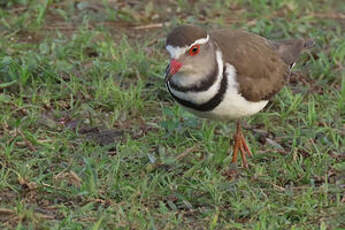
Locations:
(262, 66)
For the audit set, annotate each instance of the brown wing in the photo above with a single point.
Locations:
(261, 72)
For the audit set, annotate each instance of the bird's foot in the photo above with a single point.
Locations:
(241, 145)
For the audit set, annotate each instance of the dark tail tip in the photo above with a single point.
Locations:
(309, 44)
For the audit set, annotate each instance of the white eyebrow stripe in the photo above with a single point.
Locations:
(201, 41)
(175, 51)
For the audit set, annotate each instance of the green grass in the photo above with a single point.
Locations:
(90, 138)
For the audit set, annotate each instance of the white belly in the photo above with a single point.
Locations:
(232, 107)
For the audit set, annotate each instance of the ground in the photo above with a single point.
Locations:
(90, 138)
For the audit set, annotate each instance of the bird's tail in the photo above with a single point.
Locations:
(289, 50)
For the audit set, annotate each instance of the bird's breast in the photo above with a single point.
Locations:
(221, 101)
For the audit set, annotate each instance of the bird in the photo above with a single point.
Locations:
(226, 75)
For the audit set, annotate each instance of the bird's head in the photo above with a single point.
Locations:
(191, 53)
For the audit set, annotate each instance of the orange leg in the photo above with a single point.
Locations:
(241, 145)
(236, 148)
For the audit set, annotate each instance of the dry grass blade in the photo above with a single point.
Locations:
(186, 152)
(27, 184)
(27, 142)
(74, 178)
(70, 176)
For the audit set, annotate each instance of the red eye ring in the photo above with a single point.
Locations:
(194, 50)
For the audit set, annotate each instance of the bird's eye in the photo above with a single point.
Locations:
(194, 50)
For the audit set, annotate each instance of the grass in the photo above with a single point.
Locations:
(90, 138)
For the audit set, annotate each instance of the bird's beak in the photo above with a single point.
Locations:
(172, 69)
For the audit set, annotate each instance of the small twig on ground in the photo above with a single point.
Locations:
(151, 26)
(329, 15)
(278, 187)
(6, 211)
